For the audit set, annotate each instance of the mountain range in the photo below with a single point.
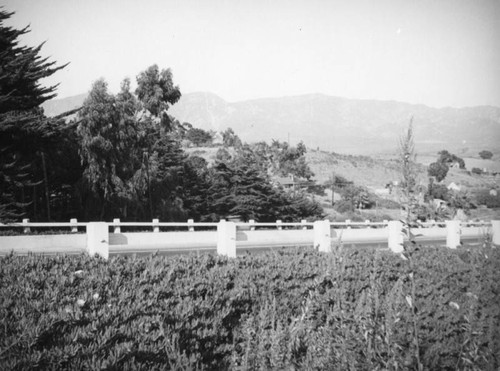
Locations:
(334, 124)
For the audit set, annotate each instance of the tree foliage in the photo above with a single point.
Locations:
(122, 155)
(240, 189)
(230, 139)
(27, 137)
(486, 155)
(438, 170)
(156, 91)
(199, 137)
(22, 68)
(448, 159)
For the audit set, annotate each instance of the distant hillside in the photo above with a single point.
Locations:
(56, 106)
(336, 124)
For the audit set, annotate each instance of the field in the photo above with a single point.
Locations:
(353, 309)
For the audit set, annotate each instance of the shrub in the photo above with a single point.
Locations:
(485, 198)
(439, 191)
(343, 206)
(486, 155)
(438, 170)
(386, 203)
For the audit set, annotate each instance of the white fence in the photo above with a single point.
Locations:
(226, 237)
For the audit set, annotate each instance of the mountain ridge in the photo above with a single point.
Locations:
(357, 126)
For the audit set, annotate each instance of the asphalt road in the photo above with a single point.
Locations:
(242, 247)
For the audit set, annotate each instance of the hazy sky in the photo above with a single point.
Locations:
(434, 52)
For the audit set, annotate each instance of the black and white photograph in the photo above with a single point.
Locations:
(250, 185)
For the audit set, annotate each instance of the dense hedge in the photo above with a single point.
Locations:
(292, 309)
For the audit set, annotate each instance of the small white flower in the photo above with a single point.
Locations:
(454, 305)
(80, 302)
(409, 301)
(79, 272)
(95, 296)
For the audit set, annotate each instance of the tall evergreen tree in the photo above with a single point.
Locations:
(24, 131)
(22, 67)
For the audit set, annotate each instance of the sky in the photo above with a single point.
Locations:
(433, 52)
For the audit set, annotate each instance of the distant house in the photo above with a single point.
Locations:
(291, 182)
(454, 187)
(217, 138)
(493, 192)
(439, 204)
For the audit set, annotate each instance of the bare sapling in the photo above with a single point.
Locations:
(410, 203)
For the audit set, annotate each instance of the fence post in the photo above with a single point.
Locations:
(226, 239)
(117, 228)
(26, 229)
(303, 221)
(495, 230)
(322, 235)
(191, 225)
(251, 222)
(74, 228)
(278, 222)
(98, 239)
(156, 227)
(348, 223)
(396, 236)
(367, 222)
(452, 233)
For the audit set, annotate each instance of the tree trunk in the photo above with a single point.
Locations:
(45, 181)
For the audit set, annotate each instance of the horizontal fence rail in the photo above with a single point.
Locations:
(118, 237)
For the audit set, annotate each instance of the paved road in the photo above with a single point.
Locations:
(242, 247)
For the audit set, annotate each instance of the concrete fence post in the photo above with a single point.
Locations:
(117, 228)
(98, 239)
(396, 236)
(452, 233)
(156, 227)
(74, 227)
(303, 221)
(278, 223)
(191, 225)
(322, 235)
(348, 223)
(367, 223)
(26, 229)
(226, 239)
(251, 222)
(495, 230)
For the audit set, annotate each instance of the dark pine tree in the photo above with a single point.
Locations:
(25, 132)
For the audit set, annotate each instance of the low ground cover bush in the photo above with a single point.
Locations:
(290, 309)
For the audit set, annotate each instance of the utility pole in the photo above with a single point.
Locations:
(333, 189)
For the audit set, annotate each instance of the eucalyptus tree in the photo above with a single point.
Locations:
(133, 163)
